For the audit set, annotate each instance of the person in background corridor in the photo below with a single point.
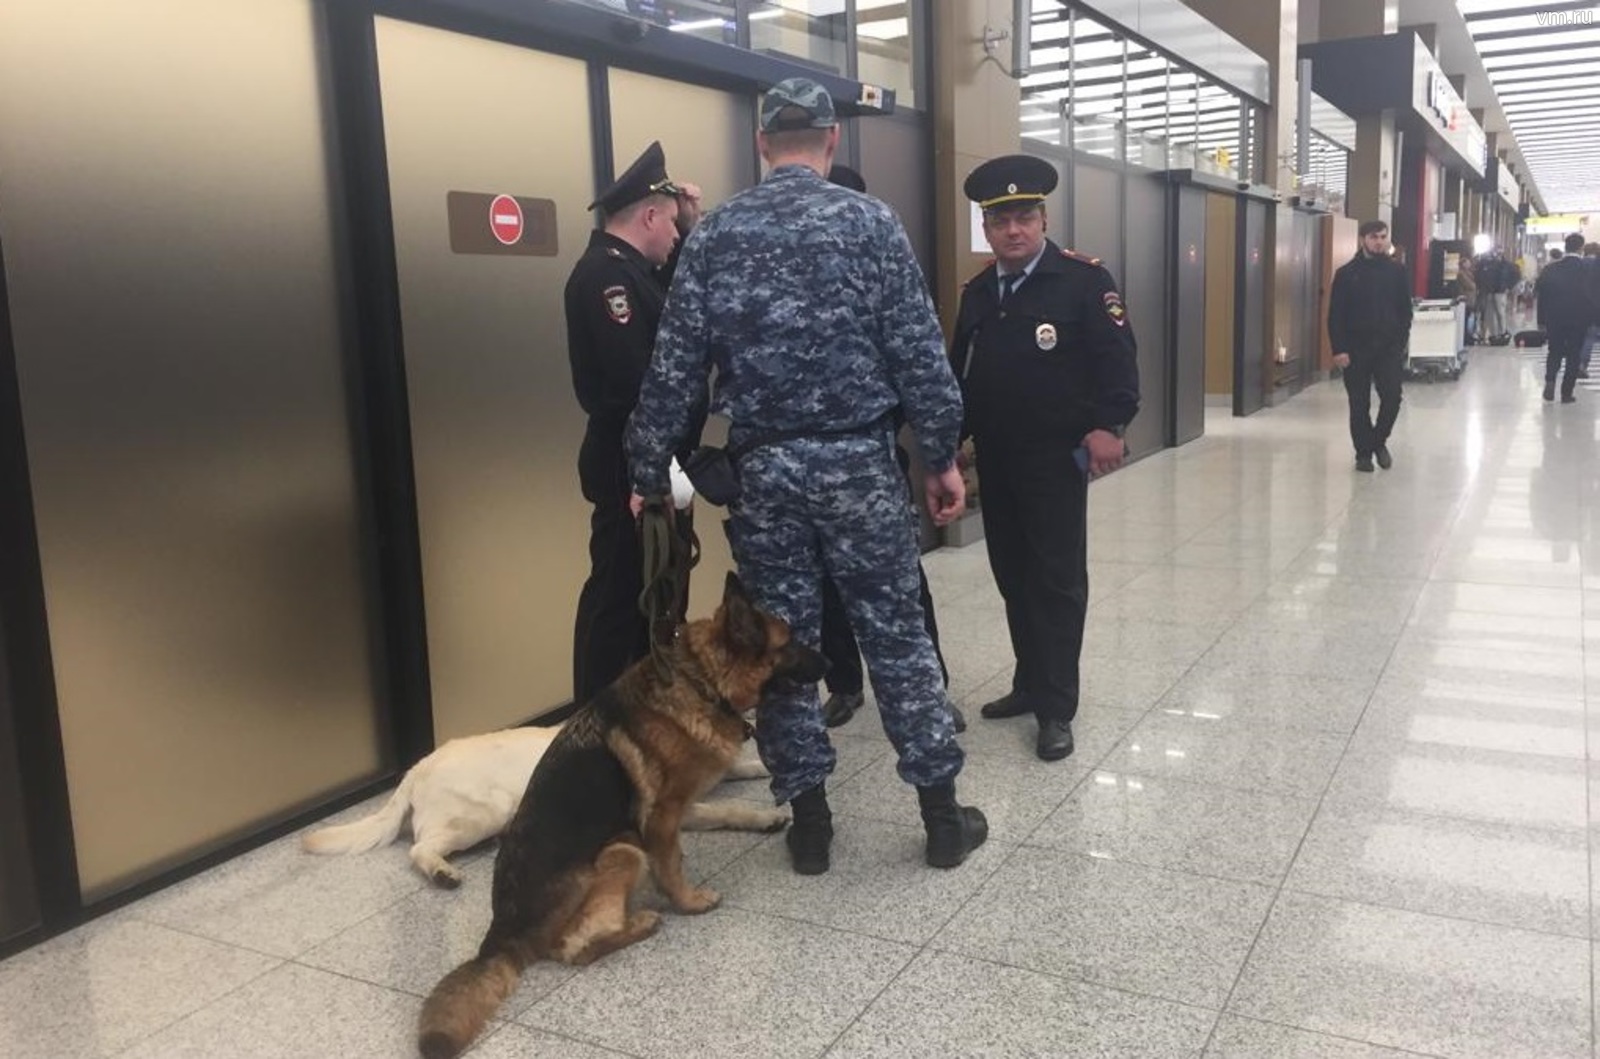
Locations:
(1591, 261)
(1369, 324)
(1567, 309)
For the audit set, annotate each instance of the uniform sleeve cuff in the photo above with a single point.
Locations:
(653, 485)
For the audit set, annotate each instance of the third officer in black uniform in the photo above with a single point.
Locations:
(845, 679)
(1048, 370)
(614, 299)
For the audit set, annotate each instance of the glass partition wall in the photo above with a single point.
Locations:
(866, 40)
(1099, 91)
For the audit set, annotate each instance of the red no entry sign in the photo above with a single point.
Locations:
(505, 219)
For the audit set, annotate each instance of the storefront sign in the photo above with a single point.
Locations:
(1437, 101)
(1558, 224)
(1506, 187)
(1442, 98)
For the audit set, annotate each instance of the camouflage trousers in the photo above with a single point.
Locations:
(839, 506)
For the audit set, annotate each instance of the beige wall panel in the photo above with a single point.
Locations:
(170, 259)
(1221, 243)
(495, 428)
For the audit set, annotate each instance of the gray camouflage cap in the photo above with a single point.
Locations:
(797, 103)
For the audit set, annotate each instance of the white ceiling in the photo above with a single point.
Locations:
(1535, 70)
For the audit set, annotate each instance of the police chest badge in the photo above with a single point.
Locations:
(1044, 336)
(1114, 308)
(617, 305)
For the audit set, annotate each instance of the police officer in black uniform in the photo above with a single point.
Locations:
(1047, 362)
(614, 299)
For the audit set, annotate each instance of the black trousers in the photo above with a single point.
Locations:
(1565, 347)
(1035, 523)
(839, 642)
(1366, 371)
(611, 633)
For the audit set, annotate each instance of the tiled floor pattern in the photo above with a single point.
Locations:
(1331, 800)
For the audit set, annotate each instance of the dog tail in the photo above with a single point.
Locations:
(370, 832)
(465, 999)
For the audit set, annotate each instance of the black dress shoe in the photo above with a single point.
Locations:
(1364, 464)
(1012, 705)
(959, 717)
(1381, 454)
(1568, 398)
(1055, 739)
(840, 707)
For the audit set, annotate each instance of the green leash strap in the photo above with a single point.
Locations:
(670, 552)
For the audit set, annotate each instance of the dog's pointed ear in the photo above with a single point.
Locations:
(743, 627)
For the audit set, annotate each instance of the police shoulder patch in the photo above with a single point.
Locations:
(618, 307)
(987, 265)
(1085, 258)
(1114, 308)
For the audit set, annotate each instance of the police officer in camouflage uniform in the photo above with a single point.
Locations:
(805, 298)
(1050, 375)
(614, 299)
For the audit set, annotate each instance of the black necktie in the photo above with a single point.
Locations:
(1008, 283)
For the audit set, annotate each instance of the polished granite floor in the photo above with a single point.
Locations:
(1331, 799)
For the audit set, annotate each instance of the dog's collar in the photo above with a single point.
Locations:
(709, 691)
(727, 707)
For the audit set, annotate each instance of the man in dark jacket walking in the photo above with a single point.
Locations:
(1566, 293)
(1369, 323)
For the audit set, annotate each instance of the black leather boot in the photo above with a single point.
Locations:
(953, 830)
(811, 834)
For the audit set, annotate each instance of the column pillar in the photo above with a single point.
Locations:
(1374, 172)
(977, 115)
(1271, 28)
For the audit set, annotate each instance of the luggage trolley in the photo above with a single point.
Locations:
(1438, 340)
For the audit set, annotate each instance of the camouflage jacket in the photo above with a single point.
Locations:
(807, 301)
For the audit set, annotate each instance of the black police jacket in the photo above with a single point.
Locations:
(614, 299)
(1369, 308)
(1567, 296)
(1055, 362)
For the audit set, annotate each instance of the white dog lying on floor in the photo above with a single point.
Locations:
(466, 791)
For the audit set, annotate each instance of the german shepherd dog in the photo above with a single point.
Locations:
(608, 800)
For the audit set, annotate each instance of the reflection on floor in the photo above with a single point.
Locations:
(1330, 798)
